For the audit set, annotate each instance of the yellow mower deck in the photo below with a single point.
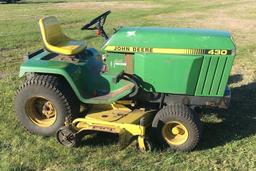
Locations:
(117, 118)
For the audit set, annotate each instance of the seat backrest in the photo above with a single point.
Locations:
(51, 30)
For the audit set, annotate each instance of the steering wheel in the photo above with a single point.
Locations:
(98, 22)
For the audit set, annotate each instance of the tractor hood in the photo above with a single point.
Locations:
(146, 38)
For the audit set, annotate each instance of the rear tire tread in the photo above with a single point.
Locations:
(58, 85)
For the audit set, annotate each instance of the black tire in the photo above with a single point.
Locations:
(186, 120)
(61, 97)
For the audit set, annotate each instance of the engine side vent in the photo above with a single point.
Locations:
(213, 75)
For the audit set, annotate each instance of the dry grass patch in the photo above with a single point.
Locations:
(114, 5)
(213, 19)
(233, 18)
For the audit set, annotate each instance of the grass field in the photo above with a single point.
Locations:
(229, 137)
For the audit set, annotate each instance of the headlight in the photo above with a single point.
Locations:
(104, 57)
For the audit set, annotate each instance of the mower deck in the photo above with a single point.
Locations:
(116, 118)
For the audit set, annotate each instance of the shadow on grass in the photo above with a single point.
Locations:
(238, 121)
(98, 139)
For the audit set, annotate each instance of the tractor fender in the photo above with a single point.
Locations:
(70, 72)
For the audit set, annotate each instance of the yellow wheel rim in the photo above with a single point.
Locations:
(175, 133)
(41, 111)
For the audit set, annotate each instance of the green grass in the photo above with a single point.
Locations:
(229, 137)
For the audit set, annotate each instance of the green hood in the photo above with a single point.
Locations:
(154, 37)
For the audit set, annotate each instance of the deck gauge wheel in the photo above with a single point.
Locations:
(67, 136)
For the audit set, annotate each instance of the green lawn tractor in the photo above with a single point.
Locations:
(145, 85)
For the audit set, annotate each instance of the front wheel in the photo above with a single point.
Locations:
(43, 102)
(178, 127)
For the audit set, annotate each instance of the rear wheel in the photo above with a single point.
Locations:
(178, 127)
(43, 102)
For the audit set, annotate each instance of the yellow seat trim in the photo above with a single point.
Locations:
(55, 40)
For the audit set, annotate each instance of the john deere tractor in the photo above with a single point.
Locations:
(145, 85)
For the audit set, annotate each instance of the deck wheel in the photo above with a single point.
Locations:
(67, 136)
